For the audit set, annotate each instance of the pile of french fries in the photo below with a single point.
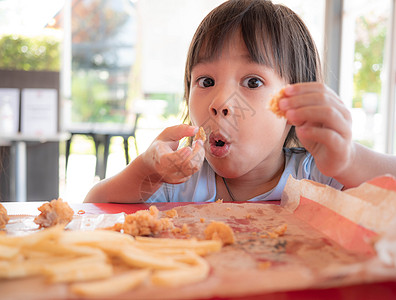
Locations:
(104, 263)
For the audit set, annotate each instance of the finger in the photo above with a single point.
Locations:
(310, 136)
(177, 179)
(310, 99)
(182, 163)
(187, 162)
(330, 150)
(321, 92)
(314, 99)
(327, 117)
(163, 148)
(173, 162)
(177, 132)
(307, 87)
(197, 145)
(196, 158)
(183, 153)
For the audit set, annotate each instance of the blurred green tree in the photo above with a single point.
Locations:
(37, 53)
(369, 56)
(91, 94)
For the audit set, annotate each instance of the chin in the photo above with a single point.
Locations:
(225, 168)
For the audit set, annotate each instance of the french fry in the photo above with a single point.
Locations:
(112, 286)
(51, 248)
(18, 269)
(184, 256)
(72, 264)
(138, 258)
(199, 247)
(111, 249)
(31, 239)
(88, 271)
(86, 259)
(182, 276)
(7, 252)
(95, 236)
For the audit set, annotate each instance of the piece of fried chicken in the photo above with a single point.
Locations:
(274, 103)
(146, 222)
(3, 216)
(54, 213)
(201, 135)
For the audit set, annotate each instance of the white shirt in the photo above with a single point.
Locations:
(201, 187)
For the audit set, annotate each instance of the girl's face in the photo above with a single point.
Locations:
(229, 96)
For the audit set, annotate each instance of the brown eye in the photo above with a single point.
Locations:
(206, 82)
(252, 82)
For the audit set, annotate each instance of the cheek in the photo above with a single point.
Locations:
(192, 111)
(267, 129)
(197, 112)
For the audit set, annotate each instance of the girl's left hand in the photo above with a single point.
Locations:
(323, 125)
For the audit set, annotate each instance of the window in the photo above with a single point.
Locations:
(314, 21)
(364, 70)
(166, 30)
(103, 47)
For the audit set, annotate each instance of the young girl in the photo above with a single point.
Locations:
(241, 55)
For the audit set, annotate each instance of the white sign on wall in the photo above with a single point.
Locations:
(9, 111)
(39, 112)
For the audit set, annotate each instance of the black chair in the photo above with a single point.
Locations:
(102, 137)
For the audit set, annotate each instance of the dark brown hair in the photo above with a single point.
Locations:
(274, 36)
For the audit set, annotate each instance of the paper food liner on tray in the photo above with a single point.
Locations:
(328, 243)
(255, 264)
(24, 224)
(361, 219)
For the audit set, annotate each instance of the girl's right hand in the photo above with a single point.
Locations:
(172, 165)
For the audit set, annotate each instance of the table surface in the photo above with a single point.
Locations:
(380, 290)
(100, 128)
(20, 137)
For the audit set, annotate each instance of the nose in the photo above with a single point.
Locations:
(223, 111)
(221, 106)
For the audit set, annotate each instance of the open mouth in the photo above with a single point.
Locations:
(219, 143)
(219, 146)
